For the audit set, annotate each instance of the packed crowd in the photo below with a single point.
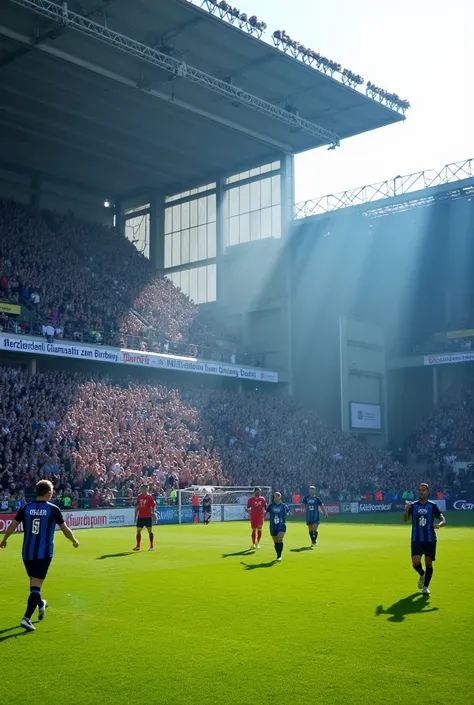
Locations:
(86, 282)
(447, 434)
(95, 434)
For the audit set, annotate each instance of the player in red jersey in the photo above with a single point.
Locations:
(256, 508)
(144, 516)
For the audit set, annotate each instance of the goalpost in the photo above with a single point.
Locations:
(228, 503)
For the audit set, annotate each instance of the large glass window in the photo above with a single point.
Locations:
(190, 231)
(137, 230)
(258, 171)
(136, 209)
(252, 211)
(191, 192)
(199, 283)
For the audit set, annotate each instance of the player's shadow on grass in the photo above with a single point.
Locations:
(413, 604)
(114, 555)
(300, 550)
(254, 566)
(247, 552)
(5, 633)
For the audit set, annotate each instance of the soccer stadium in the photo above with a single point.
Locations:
(227, 400)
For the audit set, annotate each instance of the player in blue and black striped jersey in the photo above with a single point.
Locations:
(424, 515)
(39, 519)
(313, 503)
(277, 511)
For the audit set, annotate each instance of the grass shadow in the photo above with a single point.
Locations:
(413, 604)
(300, 550)
(254, 566)
(114, 555)
(19, 631)
(246, 552)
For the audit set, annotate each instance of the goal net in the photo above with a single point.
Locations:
(227, 503)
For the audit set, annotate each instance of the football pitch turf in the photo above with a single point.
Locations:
(203, 620)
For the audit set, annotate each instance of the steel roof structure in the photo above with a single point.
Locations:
(161, 95)
(398, 194)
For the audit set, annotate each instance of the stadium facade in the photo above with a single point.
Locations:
(391, 289)
(186, 126)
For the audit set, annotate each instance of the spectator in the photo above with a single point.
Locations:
(95, 500)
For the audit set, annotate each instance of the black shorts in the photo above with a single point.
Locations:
(424, 548)
(144, 523)
(38, 568)
(281, 529)
(196, 510)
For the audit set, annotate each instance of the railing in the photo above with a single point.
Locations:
(84, 502)
(233, 16)
(398, 186)
(147, 342)
(282, 41)
(142, 343)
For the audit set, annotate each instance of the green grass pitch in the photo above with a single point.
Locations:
(200, 621)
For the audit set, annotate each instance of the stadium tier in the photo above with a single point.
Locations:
(185, 354)
(88, 433)
(86, 283)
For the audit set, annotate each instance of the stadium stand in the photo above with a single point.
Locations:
(89, 433)
(92, 284)
(447, 434)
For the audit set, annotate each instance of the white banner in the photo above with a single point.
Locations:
(234, 512)
(137, 358)
(100, 518)
(216, 513)
(448, 358)
(366, 416)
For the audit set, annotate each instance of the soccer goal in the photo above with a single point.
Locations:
(228, 503)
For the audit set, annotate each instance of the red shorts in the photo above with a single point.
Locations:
(256, 522)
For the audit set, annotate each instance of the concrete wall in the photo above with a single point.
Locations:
(62, 198)
(363, 373)
(53, 195)
(14, 186)
(254, 299)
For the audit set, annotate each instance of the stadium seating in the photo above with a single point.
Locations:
(88, 282)
(87, 433)
(93, 284)
(447, 434)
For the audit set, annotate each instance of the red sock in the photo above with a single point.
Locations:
(253, 535)
(259, 536)
(139, 539)
(152, 538)
(196, 519)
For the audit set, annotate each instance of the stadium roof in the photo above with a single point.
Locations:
(423, 188)
(109, 118)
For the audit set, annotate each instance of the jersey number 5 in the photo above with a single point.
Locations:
(36, 526)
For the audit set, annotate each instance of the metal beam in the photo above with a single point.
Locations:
(49, 35)
(73, 137)
(15, 168)
(119, 133)
(73, 144)
(396, 187)
(64, 17)
(118, 78)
